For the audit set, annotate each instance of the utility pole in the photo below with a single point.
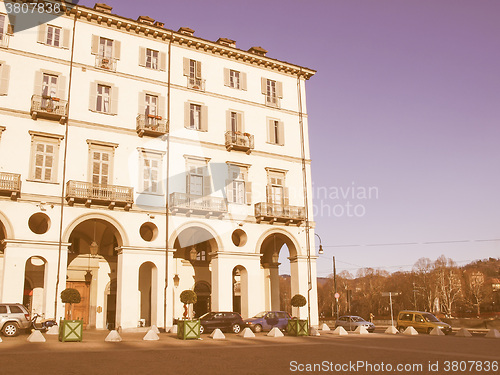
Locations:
(335, 289)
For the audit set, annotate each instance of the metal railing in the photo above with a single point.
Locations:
(49, 105)
(196, 83)
(279, 211)
(105, 62)
(197, 203)
(10, 182)
(151, 124)
(99, 192)
(239, 140)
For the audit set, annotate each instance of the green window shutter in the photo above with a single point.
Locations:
(65, 38)
(93, 96)
(117, 46)
(142, 56)
(163, 61)
(4, 79)
(95, 45)
(42, 33)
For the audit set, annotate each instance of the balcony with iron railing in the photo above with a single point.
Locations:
(279, 213)
(105, 62)
(239, 141)
(10, 184)
(151, 125)
(196, 83)
(49, 107)
(99, 194)
(195, 204)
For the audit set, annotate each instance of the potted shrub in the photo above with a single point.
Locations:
(188, 328)
(296, 326)
(70, 329)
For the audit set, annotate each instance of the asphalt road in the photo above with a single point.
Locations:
(352, 354)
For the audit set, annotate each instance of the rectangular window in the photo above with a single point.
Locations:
(238, 186)
(276, 135)
(3, 24)
(234, 122)
(271, 91)
(192, 70)
(151, 175)
(105, 48)
(151, 109)
(44, 155)
(101, 167)
(152, 59)
(53, 36)
(195, 116)
(234, 79)
(276, 192)
(103, 99)
(49, 86)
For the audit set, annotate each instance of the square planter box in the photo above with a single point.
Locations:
(297, 327)
(70, 330)
(188, 329)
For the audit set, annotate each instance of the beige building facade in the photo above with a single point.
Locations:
(137, 162)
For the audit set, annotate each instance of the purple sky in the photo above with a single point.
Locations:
(406, 100)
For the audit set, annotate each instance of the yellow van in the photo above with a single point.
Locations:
(422, 321)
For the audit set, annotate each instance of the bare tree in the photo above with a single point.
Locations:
(425, 287)
(475, 290)
(448, 283)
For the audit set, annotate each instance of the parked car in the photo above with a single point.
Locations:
(225, 321)
(267, 320)
(423, 322)
(351, 322)
(13, 318)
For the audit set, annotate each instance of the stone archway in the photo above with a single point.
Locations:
(92, 269)
(35, 292)
(240, 290)
(147, 287)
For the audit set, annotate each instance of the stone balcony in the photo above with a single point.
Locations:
(239, 141)
(99, 194)
(10, 184)
(49, 107)
(269, 212)
(154, 126)
(200, 205)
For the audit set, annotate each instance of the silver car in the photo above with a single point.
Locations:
(13, 317)
(351, 322)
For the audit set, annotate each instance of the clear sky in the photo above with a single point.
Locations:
(404, 112)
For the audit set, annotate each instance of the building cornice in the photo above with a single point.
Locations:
(202, 45)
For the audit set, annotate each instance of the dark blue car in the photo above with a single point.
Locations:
(267, 320)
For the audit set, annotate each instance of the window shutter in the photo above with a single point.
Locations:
(142, 56)
(226, 77)
(228, 120)
(204, 118)
(95, 45)
(269, 194)
(279, 89)
(38, 82)
(142, 103)
(4, 79)
(163, 61)
(239, 118)
(248, 192)
(187, 114)
(229, 191)
(270, 131)
(114, 100)
(117, 46)
(185, 67)
(61, 87)
(10, 27)
(207, 185)
(243, 81)
(42, 33)
(281, 134)
(66, 37)
(161, 107)
(286, 197)
(93, 96)
(198, 69)
(263, 85)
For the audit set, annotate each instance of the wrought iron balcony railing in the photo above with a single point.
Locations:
(49, 107)
(196, 83)
(239, 141)
(10, 184)
(99, 194)
(151, 125)
(205, 205)
(104, 62)
(278, 212)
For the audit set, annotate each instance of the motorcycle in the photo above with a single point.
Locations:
(42, 326)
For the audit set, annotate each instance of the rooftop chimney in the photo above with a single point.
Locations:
(258, 51)
(227, 42)
(186, 31)
(103, 7)
(159, 24)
